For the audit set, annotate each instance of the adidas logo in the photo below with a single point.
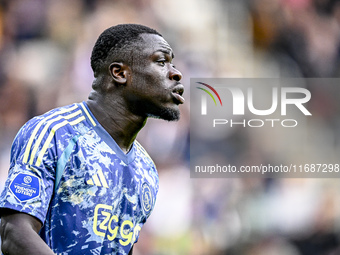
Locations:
(98, 180)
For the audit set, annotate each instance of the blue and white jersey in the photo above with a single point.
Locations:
(68, 172)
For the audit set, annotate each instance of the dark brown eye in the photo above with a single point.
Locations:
(161, 62)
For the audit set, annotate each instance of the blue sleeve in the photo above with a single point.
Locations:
(30, 183)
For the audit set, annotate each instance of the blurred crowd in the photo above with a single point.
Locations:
(45, 48)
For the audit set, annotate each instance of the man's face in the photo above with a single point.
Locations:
(155, 89)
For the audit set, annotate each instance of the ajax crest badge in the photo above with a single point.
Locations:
(147, 199)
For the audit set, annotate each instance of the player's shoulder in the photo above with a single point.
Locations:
(57, 125)
(54, 119)
(52, 114)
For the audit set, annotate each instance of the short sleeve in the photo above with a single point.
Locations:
(30, 183)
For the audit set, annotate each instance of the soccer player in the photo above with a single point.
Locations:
(79, 182)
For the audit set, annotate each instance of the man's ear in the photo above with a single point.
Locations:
(119, 72)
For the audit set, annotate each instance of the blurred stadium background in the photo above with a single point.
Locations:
(45, 46)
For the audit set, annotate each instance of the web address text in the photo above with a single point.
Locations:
(269, 168)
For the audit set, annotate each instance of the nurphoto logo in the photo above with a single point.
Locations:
(264, 127)
(242, 102)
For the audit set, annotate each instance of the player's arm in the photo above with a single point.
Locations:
(19, 234)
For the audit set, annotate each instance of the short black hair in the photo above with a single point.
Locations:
(114, 42)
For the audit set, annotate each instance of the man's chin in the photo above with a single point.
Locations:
(167, 114)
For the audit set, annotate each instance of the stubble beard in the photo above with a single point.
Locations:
(167, 114)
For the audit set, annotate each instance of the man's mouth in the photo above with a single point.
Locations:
(177, 93)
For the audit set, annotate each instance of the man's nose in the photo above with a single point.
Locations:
(175, 74)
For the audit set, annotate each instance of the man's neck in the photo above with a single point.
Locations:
(117, 120)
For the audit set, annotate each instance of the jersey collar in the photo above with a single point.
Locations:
(127, 158)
